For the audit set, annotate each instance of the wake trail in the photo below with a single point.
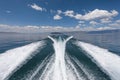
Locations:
(84, 65)
(63, 66)
(76, 74)
(32, 69)
(59, 70)
(13, 59)
(62, 60)
(109, 62)
(36, 74)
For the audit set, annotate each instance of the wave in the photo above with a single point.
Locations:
(13, 59)
(108, 62)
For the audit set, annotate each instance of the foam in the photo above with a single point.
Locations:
(107, 61)
(14, 58)
(59, 70)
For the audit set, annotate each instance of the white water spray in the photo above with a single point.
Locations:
(59, 71)
(12, 59)
(60, 66)
(107, 61)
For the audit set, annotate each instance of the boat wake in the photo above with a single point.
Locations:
(13, 59)
(59, 59)
(107, 61)
(58, 68)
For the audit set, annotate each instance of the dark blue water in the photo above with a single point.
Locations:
(106, 39)
(10, 41)
(30, 67)
(13, 40)
(47, 51)
(110, 41)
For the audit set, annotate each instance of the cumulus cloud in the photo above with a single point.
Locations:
(78, 16)
(39, 29)
(91, 15)
(105, 20)
(21, 29)
(93, 22)
(106, 28)
(95, 14)
(36, 7)
(59, 12)
(69, 13)
(34, 29)
(57, 17)
(113, 25)
(81, 22)
(117, 21)
(94, 17)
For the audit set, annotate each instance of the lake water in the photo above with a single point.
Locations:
(59, 57)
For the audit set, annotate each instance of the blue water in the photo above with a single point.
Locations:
(73, 52)
(106, 39)
(110, 41)
(13, 40)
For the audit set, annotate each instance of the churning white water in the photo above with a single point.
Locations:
(58, 68)
(61, 65)
(14, 58)
(108, 61)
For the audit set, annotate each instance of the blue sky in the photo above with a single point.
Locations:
(67, 15)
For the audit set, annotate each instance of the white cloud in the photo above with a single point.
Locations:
(77, 26)
(36, 7)
(106, 28)
(78, 16)
(105, 20)
(57, 17)
(22, 29)
(81, 22)
(88, 29)
(59, 11)
(93, 22)
(91, 15)
(81, 25)
(118, 21)
(69, 13)
(95, 14)
(34, 29)
(115, 24)
(38, 29)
